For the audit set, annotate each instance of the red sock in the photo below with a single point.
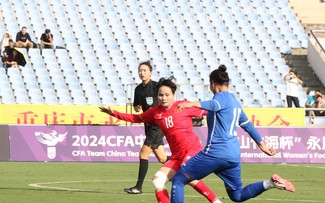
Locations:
(204, 190)
(162, 196)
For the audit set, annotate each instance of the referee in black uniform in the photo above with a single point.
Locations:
(145, 96)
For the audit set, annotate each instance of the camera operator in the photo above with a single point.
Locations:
(292, 82)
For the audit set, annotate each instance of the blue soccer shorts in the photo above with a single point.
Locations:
(201, 165)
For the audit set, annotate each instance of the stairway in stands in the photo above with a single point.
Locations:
(298, 62)
(311, 16)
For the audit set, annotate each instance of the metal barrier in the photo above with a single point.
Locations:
(317, 32)
(311, 120)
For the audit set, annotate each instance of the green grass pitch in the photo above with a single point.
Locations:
(104, 182)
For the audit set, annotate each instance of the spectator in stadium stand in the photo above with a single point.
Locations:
(318, 104)
(8, 50)
(15, 59)
(23, 39)
(47, 40)
(311, 100)
(177, 127)
(8, 56)
(292, 82)
(12, 60)
(4, 42)
(221, 155)
(145, 97)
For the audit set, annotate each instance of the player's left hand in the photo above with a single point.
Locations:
(267, 150)
(184, 105)
(270, 151)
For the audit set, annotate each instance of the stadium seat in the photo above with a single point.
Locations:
(249, 102)
(191, 36)
(8, 99)
(94, 101)
(277, 102)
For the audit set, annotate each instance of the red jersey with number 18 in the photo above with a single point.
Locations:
(176, 125)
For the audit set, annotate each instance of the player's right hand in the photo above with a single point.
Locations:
(107, 110)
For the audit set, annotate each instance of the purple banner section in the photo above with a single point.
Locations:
(123, 143)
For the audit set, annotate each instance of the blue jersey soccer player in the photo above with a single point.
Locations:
(221, 154)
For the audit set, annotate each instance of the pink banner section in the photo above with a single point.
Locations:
(123, 143)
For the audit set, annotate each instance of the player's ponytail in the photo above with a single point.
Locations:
(220, 75)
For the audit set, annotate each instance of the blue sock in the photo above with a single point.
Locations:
(248, 192)
(177, 193)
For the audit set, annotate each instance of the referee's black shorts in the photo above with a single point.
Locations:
(154, 137)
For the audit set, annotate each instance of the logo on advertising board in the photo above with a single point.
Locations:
(50, 140)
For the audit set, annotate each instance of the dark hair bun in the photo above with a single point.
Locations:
(222, 68)
(167, 82)
(161, 80)
(171, 78)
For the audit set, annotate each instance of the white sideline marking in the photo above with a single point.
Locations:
(318, 167)
(45, 186)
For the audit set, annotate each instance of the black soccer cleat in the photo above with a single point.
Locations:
(133, 190)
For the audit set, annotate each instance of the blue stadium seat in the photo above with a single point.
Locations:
(65, 100)
(203, 33)
(8, 99)
(277, 102)
(249, 102)
(80, 101)
(263, 102)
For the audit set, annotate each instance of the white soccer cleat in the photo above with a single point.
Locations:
(282, 184)
(217, 201)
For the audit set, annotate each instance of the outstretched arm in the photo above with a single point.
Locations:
(255, 135)
(208, 105)
(123, 116)
(188, 104)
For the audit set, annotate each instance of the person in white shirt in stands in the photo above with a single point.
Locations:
(4, 42)
(293, 83)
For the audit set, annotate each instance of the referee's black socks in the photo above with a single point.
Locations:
(143, 168)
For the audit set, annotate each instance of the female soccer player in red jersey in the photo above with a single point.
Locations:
(178, 129)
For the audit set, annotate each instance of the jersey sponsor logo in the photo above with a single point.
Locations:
(149, 100)
(50, 140)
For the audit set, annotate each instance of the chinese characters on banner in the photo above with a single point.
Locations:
(90, 115)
